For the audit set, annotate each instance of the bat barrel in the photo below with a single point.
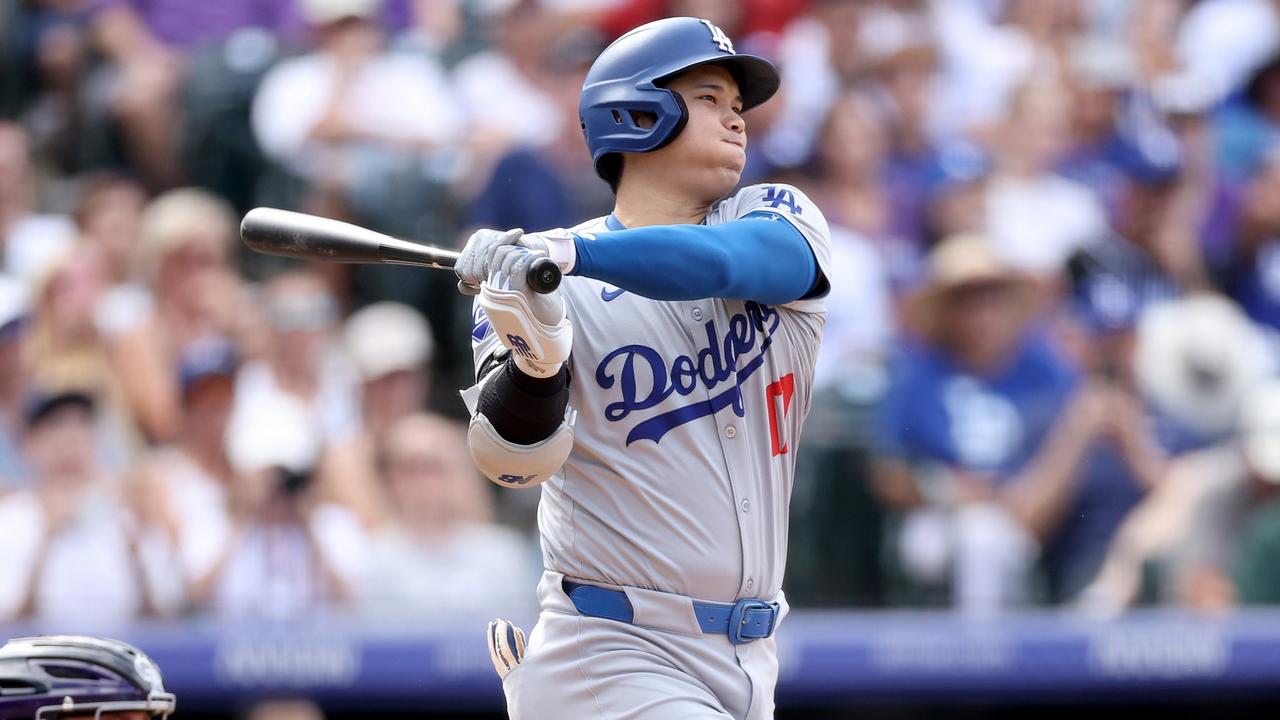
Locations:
(293, 234)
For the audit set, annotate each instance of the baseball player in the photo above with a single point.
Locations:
(656, 397)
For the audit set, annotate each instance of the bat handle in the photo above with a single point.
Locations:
(543, 276)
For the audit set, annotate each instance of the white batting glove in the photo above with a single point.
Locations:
(533, 326)
(506, 646)
(475, 262)
(509, 270)
(557, 244)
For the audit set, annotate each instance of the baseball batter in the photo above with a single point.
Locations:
(657, 397)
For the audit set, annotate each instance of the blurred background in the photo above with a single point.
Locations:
(1042, 475)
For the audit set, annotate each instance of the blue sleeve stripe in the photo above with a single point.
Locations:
(745, 259)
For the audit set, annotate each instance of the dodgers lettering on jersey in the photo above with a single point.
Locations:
(714, 364)
(688, 416)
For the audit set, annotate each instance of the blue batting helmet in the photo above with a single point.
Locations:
(61, 675)
(627, 79)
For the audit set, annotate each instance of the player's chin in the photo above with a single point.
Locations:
(718, 182)
(729, 168)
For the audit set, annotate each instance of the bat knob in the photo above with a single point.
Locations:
(544, 275)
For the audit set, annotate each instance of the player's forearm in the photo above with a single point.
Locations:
(760, 258)
(521, 429)
(523, 409)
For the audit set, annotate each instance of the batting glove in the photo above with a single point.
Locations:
(506, 646)
(475, 262)
(509, 270)
(533, 326)
(557, 244)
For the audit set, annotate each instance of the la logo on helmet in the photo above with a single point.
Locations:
(718, 37)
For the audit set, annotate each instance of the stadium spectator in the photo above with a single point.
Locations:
(1101, 74)
(288, 555)
(14, 317)
(441, 546)
(28, 238)
(1036, 218)
(302, 357)
(819, 55)
(502, 88)
(860, 317)
(873, 248)
(537, 187)
(1112, 281)
(355, 121)
(109, 216)
(184, 256)
(70, 554)
(50, 41)
(150, 46)
(1126, 460)
(391, 346)
(184, 488)
(64, 347)
(859, 191)
(908, 86)
(1183, 545)
(982, 433)
(1199, 360)
(988, 52)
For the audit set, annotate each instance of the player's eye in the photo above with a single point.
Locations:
(712, 98)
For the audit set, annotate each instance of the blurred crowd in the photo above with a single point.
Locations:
(1048, 375)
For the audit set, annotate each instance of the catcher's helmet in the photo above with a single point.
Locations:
(627, 78)
(61, 675)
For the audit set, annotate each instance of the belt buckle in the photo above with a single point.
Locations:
(748, 617)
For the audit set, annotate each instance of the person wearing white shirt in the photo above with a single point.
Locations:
(1037, 218)
(441, 549)
(288, 554)
(71, 554)
(303, 359)
(353, 119)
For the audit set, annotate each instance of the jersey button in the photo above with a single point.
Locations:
(730, 432)
(697, 314)
(746, 505)
(751, 583)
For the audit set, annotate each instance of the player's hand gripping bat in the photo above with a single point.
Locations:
(294, 234)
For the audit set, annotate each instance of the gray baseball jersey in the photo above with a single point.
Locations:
(688, 416)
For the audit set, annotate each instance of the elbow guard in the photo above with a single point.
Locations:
(521, 429)
(512, 465)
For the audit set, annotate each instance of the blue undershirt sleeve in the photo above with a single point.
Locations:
(759, 257)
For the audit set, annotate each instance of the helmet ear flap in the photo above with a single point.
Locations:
(626, 134)
(681, 120)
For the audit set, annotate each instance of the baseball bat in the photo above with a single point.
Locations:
(294, 234)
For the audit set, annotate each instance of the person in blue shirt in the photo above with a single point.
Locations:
(986, 434)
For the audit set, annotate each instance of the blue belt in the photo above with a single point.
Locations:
(746, 620)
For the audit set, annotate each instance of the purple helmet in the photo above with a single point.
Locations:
(51, 676)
